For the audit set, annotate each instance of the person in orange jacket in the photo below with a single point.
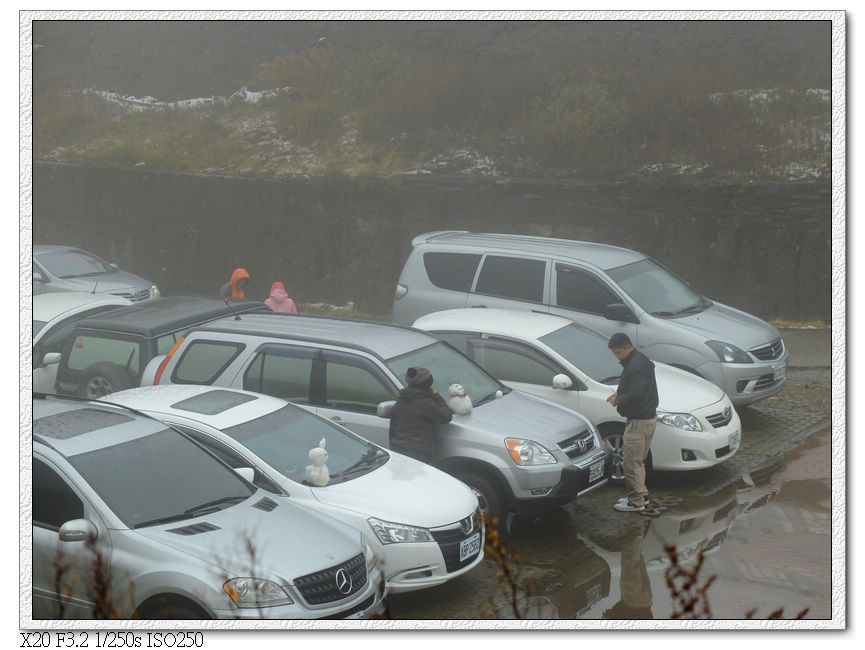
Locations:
(234, 287)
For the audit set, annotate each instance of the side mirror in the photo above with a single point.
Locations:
(114, 266)
(384, 409)
(562, 382)
(246, 472)
(620, 312)
(51, 358)
(77, 530)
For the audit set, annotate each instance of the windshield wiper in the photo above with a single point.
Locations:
(610, 380)
(662, 314)
(164, 520)
(366, 460)
(697, 306)
(213, 506)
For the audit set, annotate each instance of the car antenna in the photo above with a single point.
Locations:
(236, 315)
(95, 284)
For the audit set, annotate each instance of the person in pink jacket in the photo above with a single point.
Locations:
(279, 300)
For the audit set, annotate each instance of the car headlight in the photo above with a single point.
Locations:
(729, 353)
(528, 452)
(391, 533)
(256, 592)
(154, 291)
(684, 421)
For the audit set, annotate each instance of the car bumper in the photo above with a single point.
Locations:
(410, 569)
(675, 449)
(570, 482)
(746, 383)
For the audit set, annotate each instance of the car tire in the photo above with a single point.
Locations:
(103, 378)
(489, 499)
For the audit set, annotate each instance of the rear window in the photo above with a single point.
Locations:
(454, 271)
(203, 361)
(512, 277)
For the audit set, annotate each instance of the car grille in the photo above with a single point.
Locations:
(721, 419)
(321, 587)
(578, 445)
(357, 608)
(135, 295)
(449, 538)
(769, 352)
(194, 529)
(765, 381)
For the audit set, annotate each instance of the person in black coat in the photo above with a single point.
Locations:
(415, 415)
(636, 399)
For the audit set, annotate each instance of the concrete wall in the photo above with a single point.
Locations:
(761, 247)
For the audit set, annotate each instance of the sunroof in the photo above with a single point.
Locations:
(213, 402)
(62, 426)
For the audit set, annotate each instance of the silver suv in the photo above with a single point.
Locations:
(606, 288)
(518, 452)
(133, 519)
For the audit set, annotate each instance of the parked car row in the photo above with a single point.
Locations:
(261, 399)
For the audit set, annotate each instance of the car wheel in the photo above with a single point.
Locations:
(489, 500)
(100, 379)
(616, 440)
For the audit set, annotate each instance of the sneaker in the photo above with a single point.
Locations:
(627, 506)
(625, 500)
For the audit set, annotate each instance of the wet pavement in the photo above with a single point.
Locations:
(763, 519)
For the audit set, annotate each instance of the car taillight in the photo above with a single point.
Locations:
(165, 361)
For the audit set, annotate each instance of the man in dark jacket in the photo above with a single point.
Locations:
(635, 399)
(415, 414)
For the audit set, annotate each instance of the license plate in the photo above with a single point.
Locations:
(355, 615)
(734, 441)
(596, 471)
(470, 546)
(780, 372)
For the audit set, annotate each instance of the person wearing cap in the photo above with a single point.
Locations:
(415, 415)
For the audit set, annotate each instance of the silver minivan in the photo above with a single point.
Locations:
(518, 452)
(606, 288)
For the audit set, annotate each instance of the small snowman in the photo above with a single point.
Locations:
(460, 402)
(317, 473)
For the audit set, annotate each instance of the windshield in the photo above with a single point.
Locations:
(587, 350)
(146, 481)
(284, 438)
(71, 264)
(449, 367)
(657, 290)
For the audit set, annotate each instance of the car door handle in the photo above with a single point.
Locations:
(336, 418)
(479, 306)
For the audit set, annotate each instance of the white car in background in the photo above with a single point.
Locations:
(54, 317)
(570, 364)
(424, 524)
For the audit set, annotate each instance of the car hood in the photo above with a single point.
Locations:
(682, 392)
(109, 282)
(722, 323)
(521, 415)
(393, 491)
(289, 540)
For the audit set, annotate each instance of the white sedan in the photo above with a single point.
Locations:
(423, 524)
(571, 365)
(54, 317)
